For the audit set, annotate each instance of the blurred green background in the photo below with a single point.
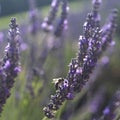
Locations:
(8, 7)
(20, 105)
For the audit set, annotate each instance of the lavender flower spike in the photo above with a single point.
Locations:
(12, 54)
(109, 112)
(62, 24)
(10, 65)
(47, 24)
(90, 48)
(79, 70)
(109, 29)
(95, 12)
(33, 17)
(4, 91)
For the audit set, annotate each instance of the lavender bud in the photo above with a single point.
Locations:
(70, 96)
(83, 46)
(88, 26)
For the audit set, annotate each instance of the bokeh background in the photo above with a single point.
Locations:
(31, 92)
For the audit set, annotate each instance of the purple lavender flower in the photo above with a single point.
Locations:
(33, 15)
(80, 68)
(95, 12)
(10, 65)
(11, 60)
(47, 24)
(108, 29)
(62, 24)
(109, 112)
(97, 102)
(88, 26)
(34, 24)
(4, 91)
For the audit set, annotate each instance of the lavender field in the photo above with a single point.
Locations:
(61, 61)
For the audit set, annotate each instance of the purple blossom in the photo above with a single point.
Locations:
(109, 28)
(62, 24)
(10, 65)
(90, 48)
(109, 111)
(47, 25)
(95, 12)
(70, 96)
(34, 23)
(7, 64)
(33, 15)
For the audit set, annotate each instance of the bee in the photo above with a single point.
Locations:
(58, 82)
